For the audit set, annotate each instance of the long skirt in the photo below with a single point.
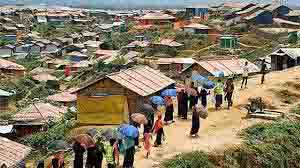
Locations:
(129, 158)
(91, 157)
(159, 135)
(195, 125)
(219, 100)
(169, 113)
(184, 110)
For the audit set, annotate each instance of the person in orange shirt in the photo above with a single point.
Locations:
(159, 130)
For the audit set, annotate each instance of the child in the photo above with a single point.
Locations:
(159, 130)
(147, 143)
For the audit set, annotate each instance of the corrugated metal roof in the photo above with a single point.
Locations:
(197, 26)
(4, 64)
(12, 152)
(229, 67)
(42, 112)
(291, 52)
(63, 97)
(44, 77)
(157, 16)
(176, 60)
(248, 10)
(254, 15)
(142, 80)
(5, 93)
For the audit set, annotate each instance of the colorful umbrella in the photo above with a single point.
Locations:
(139, 118)
(157, 100)
(169, 92)
(129, 131)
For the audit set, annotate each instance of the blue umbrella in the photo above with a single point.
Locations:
(169, 92)
(157, 100)
(129, 131)
(219, 74)
(209, 85)
(198, 78)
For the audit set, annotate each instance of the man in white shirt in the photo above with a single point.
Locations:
(245, 74)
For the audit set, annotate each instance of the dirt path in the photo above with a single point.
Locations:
(220, 129)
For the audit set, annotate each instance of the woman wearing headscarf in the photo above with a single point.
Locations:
(195, 122)
(169, 110)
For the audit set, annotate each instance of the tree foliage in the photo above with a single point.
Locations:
(4, 42)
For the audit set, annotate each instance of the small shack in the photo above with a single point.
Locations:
(198, 10)
(229, 42)
(76, 56)
(213, 67)
(261, 17)
(11, 68)
(278, 10)
(7, 51)
(174, 65)
(5, 98)
(285, 58)
(12, 154)
(35, 117)
(112, 98)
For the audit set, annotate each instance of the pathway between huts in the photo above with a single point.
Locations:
(220, 129)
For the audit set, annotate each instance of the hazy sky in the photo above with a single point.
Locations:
(125, 3)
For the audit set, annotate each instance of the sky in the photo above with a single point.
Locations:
(130, 3)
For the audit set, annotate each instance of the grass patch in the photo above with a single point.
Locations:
(267, 145)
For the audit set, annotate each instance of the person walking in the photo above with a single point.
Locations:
(147, 144)
(184, 105)
(218, 91)
(169, 110)
(109, 153)
(78, 151)
(195, 122)
(193, 98)
(229, 88)
(263, 71)
(159, 130)
(57, 160)
(99, 152)
(203, 96)
(245, 75)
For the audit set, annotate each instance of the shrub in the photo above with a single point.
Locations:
(195, 159)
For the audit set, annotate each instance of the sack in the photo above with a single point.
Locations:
(202, 112)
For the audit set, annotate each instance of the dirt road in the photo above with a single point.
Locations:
(220, 129)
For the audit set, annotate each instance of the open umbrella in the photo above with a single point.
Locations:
(209, 85)
(198, 78)
(169, 92)
(92, 131)
(84, 139)
(146, 109)
(139, 118)
(129, 131)
(58, 145)
(111, 133)
(157, 100)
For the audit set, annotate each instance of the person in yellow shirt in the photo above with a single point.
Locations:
(218, 91)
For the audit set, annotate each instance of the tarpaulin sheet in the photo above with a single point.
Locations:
(102, 110)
